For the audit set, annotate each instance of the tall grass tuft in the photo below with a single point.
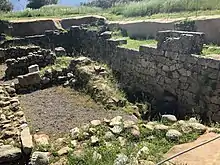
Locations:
(150, 7)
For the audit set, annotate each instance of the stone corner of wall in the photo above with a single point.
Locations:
(147, 49)
(117, 41)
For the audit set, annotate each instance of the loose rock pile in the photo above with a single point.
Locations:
(122, 133)
(20, 65)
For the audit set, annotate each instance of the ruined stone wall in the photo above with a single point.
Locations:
(194, 79)
(19, 66)
(15, 52)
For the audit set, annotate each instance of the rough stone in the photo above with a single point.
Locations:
(109, 135)
(161, 127)
(146, 162)
(41, 139)
(75, 132)
(116, 121)
(64, 151)
(173, 134)
(121, 159)
(39, 158)
(122, 140)
(33, 68)
(193, 120)
(143, 153)
(26, 141)
(60, 51)
(29, 79)
(129, 124)
(198, 127)
(9, 153)
(94, 139)
(96, 122)
(169, 118)
(117, 129)
(136, 133)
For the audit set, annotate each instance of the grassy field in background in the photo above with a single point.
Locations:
(146, 9)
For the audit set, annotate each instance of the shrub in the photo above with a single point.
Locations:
(5, 5)
(36, 4)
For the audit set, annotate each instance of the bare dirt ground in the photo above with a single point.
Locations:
(208, 154)
(58, 109)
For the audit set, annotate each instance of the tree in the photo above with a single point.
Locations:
(36, 4)
(5, 5)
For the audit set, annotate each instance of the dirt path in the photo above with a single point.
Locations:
(208, 154)
(58, 109)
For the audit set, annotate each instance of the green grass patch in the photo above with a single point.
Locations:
(158, 145)
(132, 43)
(150, 7)
(61, 62)
(211, 49)
(51, 11)
(135, 44)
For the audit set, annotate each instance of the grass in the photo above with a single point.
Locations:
(135, 44)
(158, 146)
(150, 9)
(61, 62)
(211, 50)
(51, 11)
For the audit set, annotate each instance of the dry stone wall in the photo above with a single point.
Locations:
(149, 28)
(15, 138)
(19, 66)
(172, 67)
(15, 52)
(194, 79)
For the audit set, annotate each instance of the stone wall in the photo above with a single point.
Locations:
(66, 23)
(33, 27)
(38, 27)
(149, 28)
(15, 52)
(19, 66)
(194, 79)
(15, 138)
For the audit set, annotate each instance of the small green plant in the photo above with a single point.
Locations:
(154, 140)
(211, 49)
(61, 62)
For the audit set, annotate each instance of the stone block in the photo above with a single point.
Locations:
(117, 42)
(60, 51)
(9, 154)
(29, 79)
(33, 68)
(106, 35)
(26, 140)
(181, 41)
(145, 49)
